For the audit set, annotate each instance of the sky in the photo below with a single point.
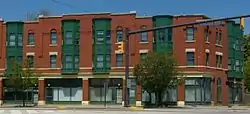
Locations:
(18, 9)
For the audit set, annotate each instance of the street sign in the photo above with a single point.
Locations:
(216, 23)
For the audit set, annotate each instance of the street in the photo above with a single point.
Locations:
(146, 111)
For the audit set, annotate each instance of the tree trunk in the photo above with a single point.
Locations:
(159, 98)
(23, 97)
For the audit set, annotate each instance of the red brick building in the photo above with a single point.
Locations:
(76, 54)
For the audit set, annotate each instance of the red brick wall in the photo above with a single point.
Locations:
(2, 47)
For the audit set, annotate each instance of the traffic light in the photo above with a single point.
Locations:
(242, 23)
(121, 47)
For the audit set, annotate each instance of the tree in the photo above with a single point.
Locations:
(156, 73)
(247, 73)
(33, 16)
(20, 79)
(247, 61)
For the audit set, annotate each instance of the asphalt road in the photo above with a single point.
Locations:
(146, 111)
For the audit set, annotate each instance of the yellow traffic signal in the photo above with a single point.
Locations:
(242, 23)
(121, 47)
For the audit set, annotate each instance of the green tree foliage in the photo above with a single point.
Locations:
(20, 79)
(247, 61)
(247, 73)
(156, 73)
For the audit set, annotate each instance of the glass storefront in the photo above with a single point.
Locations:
(105, 90)
(234, 91)
(197, 91)
(63, 90)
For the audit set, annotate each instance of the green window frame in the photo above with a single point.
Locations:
(190, 58)
(12, 40)
(189, 33)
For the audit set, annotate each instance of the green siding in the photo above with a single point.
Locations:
(72, 26)
(235, 40)
(166, 45)
(101, 45)
(14, 29)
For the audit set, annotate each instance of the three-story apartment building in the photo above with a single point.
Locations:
(76, 54)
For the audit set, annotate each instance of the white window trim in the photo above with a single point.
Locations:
(143, 51)
(218, 53)
(53, 53)
(30, 54)
(207, 51)
(118, 52)
(190, 49)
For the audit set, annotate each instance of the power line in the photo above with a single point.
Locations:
(65, 4)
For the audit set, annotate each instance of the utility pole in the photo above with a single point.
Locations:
(128, 33)
(126, 104)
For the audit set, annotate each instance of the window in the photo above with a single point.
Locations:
(69, 38)
(220, 38)
(53, 35)
(30, 61)
(20, 39)
(99, 63)
(119, 60)
(144, 35)
(12, 40)
(237, 65)
(76, 61)
(100, 36)
(119, 34)
(108, 37)
(230, 64)
(162, 36)
(77, 38)
(30, 38)
(190, 34)
(52, 61)
(218, 61)
(68, 63)
(207, 59)
(143, 56)
(108, 60)
(190, 58)
(206, 34)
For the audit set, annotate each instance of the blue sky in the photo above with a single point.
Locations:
(17, 9)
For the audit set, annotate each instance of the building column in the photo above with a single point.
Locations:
(123, 92)
(214, 91)
(138, 94)
(41, 91)
(1, 91)
(85, 91)
(224, 92)
(181, 94)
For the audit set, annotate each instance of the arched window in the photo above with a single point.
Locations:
(53, 36)
(144, 35)
(219, 90)
(119, 34)
(31, 39)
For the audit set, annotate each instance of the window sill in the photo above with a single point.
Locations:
(217, 68)
(52, 45)
(207, 42)
(218, 45)
(190, 41)
(190, 66)
(143, 42)
(30, 45)
(118, 43)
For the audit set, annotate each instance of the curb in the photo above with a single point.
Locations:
(135, 108)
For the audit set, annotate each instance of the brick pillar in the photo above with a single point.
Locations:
(214, 91)
(123, 92)
(224, 92)
(181, 94)
(41, 91)
(138, 95)
(1, 91)
(85, 91)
